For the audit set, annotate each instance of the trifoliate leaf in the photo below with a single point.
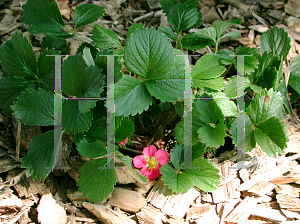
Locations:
(275, 40)
(105, 38)
(265, 105)
(176, 180)
(131, 96)
(44, 17)
(86, 81)
(41, 157)
(192, 41)
(17, 57)
(149, 54)
(35, 107)
(182, 17)
(207, 177)
(123, 129)
(91, 150)
(55, 43)
(86, 14)
(10, 89)
(133, 28)
(168, 32)
(103, 182)
(250, 58)
(294, 80)
(73, 120)
(207, 68)
(169, 87)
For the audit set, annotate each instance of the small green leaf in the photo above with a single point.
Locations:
(87, 56)
(73, 120)
(275, 40)
(207, 177)
(227, 106)
(226, 57)
(182, 17)
(41, 157)
(124, 128)
(55, 43)
(207, 33)
(91, 150)
(192, 41)
(250, 58)
(177, 181)
(213, 135)
(131, 96)
(166, 5)
(221, 26)
(231, 87)
(149, 54)
(233, 34)
(103, 181)
(105, 38)
(45, 65)
(294, 80)
(44, 17)
(10, 89)
(133, 28)
(17, 57)
(86, 14)
(35, 107)
(177, 156)
(168, 32)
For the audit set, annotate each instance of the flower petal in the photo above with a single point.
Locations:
(153, 175)
(139, 161)
(150, 151)
(145, 171)
(162, 156)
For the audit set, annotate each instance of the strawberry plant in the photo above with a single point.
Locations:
(149, 100)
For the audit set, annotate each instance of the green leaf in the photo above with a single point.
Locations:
(133, 28)
(149, 54)
(266, 62)
(91, 150)
(55, 43)
(105, 38)
(177, 156)
(131, 96)
(41, 157)
(215, 83)
(102, 183)
(207, 178)
(169, 87)
(226, 57)
(45, 66)
(35, 107)
(265, 105)
(44, 17)
(227, 106)
(182, 17)
(86, 14)
(177, 181)
(93, 50)
(87, 56)
(221, 26)
(10, 89)
(213, 136)
(168, 32)
(86, 81)
(250, 60)
(17, 57)
(73, 120)
(207, 33)
(231, 87)
(206, 68)
(166, 5)
(233, 34)
(192, 41)
(275, 40)
(294, 80)
(124, 128)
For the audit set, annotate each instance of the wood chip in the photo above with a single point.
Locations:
(196, 212)
(288, 202)
(288, 190)
(268, 213)
(107, 215)
(293, 8)
(127, 200)
(150, 215)
(262, 187)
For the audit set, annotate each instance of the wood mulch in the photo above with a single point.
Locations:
(266, 191)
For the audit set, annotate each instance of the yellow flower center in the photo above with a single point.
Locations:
(151, 163)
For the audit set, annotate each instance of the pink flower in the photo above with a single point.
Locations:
(151, 161)
(123, 142)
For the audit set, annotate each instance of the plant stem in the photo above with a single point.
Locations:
(132, 150)
(217, 44)
(74, 33)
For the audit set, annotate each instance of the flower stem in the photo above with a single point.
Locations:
(74, 33)
(131, 150)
